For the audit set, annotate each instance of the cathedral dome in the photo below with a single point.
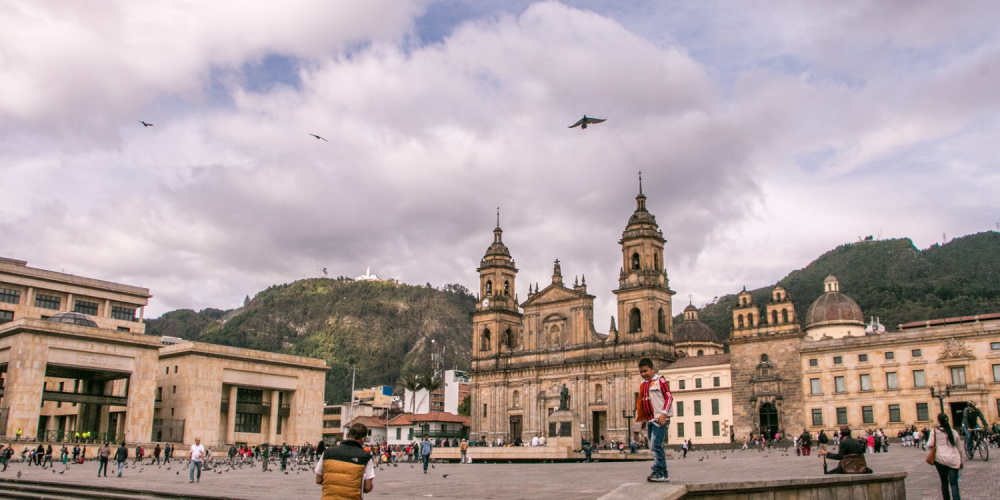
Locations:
(833, 307)
(498, 248)
(692, 330)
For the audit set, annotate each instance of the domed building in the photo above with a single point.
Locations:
(834, 315)
(694, 338)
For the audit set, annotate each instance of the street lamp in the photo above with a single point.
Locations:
(628, 420)
(941, 395)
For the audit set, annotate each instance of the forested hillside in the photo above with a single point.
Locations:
(384, 328)
(892, 280)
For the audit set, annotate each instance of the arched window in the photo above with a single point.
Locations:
(779, 296)
(485, 344)
(661, 321)
(701, 352)
(509, 338)
(774, 317)
(763, 358)
(656, 262)
(635, 260)
(516, 399)
(744, 299)
(739, 321)
(784, 315)
(506, 287)
(750, 319)
(634, 320)
(489, 287)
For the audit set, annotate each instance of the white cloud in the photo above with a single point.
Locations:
(750, 177)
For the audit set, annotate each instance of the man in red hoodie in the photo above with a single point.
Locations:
(655, 407)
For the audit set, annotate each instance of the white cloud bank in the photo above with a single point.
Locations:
(752, 171)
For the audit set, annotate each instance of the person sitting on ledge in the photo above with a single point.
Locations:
(850, 453)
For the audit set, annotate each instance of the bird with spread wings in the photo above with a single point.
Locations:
(318, 137)
(144, 124)
(586, 120)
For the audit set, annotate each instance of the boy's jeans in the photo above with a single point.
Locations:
(656, 435)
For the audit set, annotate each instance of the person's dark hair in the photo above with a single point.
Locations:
(946, 427)
(645, 362)
(357, 431)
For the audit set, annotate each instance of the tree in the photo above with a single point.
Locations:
(430, 382)
(465, 408)
(412, 383)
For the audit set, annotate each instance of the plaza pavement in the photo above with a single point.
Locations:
(980, 481)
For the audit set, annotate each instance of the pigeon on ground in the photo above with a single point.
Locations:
(19, 474)
(583, 122)
(321, 138)
(144, 124)
(444, 475)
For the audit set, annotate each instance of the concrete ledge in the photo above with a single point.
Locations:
(855, 486)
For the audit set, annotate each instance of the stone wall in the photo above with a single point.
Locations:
(782, 349)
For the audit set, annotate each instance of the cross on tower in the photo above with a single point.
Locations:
(690, 299)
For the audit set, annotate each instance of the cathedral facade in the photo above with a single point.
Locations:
(524, 353)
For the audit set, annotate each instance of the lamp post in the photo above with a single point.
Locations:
(628, 423)
(941, 395)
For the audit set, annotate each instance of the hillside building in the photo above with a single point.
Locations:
(446, 399)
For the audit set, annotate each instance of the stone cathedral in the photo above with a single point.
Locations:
(524, 353)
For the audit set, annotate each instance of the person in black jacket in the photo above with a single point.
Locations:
(850, 450)
(120, 457)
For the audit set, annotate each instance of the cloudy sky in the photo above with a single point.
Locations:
(767, 133)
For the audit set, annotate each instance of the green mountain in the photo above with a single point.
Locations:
(384, 328)
(891, 280)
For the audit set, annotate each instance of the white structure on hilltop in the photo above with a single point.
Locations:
(447, 399)
(368, 276)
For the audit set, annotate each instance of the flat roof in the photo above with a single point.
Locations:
(190, 348)
(949, 321)
(41, 326)
(20, 268)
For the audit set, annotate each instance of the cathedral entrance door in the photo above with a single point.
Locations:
(768, 420)
(600, 427)
(515, 427)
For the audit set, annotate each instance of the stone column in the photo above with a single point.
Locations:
(107, 308)
(231, 418)
(141, 396)
(69, 302)
(273, 439)
(24, 384)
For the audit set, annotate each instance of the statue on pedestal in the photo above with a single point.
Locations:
(564, 399)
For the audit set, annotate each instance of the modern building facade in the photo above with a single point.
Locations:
(226, 395)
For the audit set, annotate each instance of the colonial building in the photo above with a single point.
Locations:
(525, 353)
(835, 371)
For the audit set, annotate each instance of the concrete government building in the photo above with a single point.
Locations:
(74, 358)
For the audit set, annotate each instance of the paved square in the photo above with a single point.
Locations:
(980, 481)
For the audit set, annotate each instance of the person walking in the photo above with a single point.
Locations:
(806, 441)
(120, 457)
(655, 409)
(5, 455)
(76, 452)
(823, 440)
(104, 453)
(346, 471)
(265, 456)
(168, 451)
(464, 449)
(64, 454)
(48, 456)
(283, 455)
(947, 457)
(156, 455)
(197, 454)
(425, 451)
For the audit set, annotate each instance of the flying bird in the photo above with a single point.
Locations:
(144, 124)
(318, 137)
(585, 121)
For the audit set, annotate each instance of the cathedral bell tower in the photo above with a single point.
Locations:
(497, 319)
(644, 295)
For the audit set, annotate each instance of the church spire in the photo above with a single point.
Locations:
(640, 201)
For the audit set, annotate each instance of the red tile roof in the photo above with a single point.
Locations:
(370, 422)
(693, 361)
(948, 321)
(434, 416)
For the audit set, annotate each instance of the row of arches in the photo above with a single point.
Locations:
(637, 262)
(489, 288)
(635, 321)
(749, 321)
(508, 338)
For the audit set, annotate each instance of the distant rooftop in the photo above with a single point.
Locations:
(20, 267)
(949, 321)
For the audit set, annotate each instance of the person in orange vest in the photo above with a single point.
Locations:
(347, 471)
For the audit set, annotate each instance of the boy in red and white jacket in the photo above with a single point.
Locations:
(655, 407)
